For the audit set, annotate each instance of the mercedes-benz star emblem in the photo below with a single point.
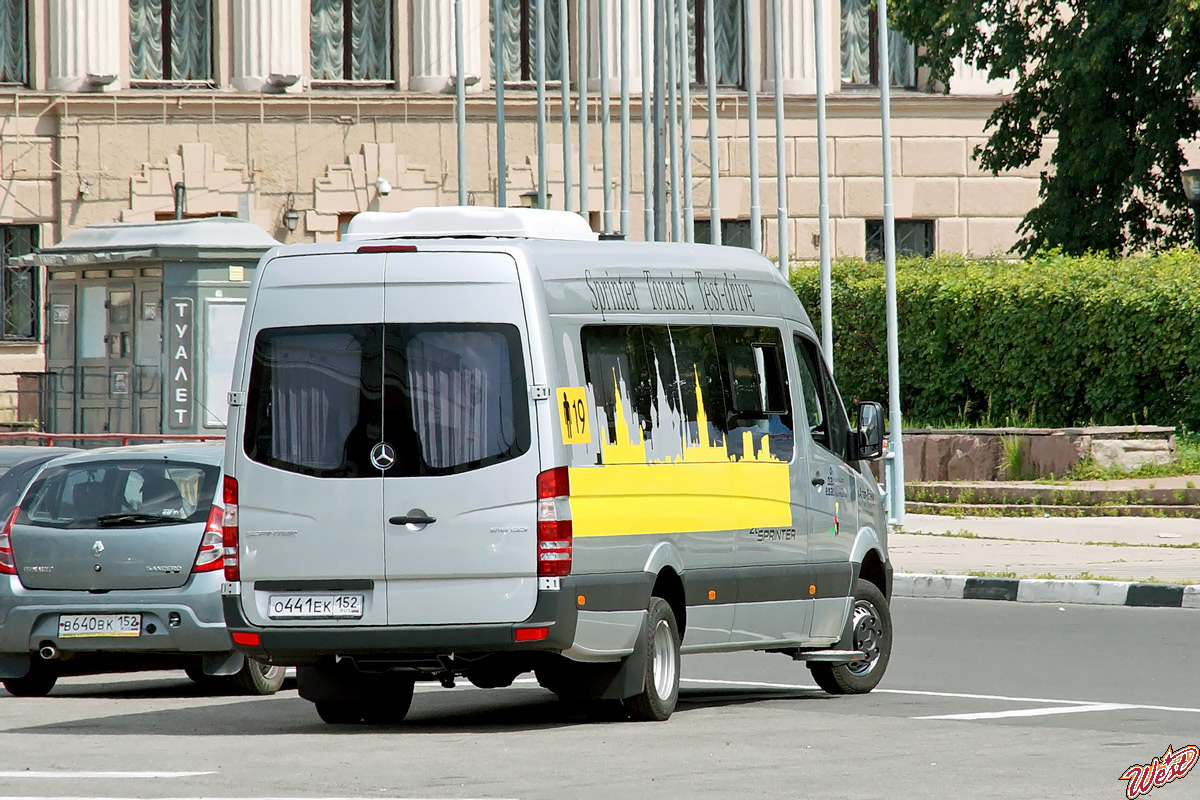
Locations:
(98, 548)
(383, 456)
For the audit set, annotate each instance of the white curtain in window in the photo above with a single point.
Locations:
(460, 387)
(12, 41)
(190, 40)
(856, 41)
(370, 40)
(511, 16)
(370, 25)
(145, 40)
(325, 40)
(315, 386)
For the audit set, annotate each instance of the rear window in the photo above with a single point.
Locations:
(114, 494)
(447, 398)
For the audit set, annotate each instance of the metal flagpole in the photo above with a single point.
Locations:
(685, 137)
(540, 43)
(895, 483)
(605, 118)
(672, 48)
(498, 77)
(581, 23)
(710, 79)
(625, 167)
(752, 116)
(660, 123)
(460, 102)
(648, 79)
(823, 188)
(564, 71)
(780, 176)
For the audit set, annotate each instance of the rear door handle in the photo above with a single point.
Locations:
(412, 519)
(818, 481)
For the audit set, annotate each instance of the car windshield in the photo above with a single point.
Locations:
(115, 494)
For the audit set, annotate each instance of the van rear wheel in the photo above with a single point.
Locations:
(340, 713)
(660, 690)
(392, 701)
(871, 632)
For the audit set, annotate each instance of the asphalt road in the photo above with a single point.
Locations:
(982, 700)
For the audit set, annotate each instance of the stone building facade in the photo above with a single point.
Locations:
(258, 107)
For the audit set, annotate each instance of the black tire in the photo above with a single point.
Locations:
(871, 632)
(36, 683)
(340, 713)
(258, 678)
(392, 702)
(660, 689)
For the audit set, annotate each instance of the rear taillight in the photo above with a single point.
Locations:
(229, 529)
(554, 546)
(211, 555)
(8, 565)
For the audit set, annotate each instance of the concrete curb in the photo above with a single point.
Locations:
(1034, 590)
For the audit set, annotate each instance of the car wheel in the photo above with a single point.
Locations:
(36, 683)
(660, 690)
(871, 627)
(255, 677)
(340, 713)
(392, 702)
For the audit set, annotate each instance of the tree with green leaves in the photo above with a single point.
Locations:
(1113, 81)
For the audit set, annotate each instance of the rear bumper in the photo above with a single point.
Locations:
(554, 610)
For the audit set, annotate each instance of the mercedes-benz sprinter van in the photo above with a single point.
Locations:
(476, 442)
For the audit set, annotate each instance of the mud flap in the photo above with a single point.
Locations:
(222, 664)
(14, 665)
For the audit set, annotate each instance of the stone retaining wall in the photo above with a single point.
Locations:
(978, 454)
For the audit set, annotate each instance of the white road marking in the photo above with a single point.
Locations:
(29, 773)
(240, 798)
(1033, 712)
(956, 695)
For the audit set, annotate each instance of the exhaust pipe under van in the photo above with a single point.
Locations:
(48, 652)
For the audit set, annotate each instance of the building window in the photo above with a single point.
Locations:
(170, 41)
(14, 60)
(19, 298)
(860, 49)
(351, 40)
(734, 232)
(914, 237)
(729, 18)
(518, 21)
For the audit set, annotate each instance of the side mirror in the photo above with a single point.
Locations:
(868, 439)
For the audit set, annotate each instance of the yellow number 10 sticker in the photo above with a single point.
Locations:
(573, 413)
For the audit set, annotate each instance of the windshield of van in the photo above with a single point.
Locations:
(119, 494)
(443, 398)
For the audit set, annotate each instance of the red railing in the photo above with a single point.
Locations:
(125, 439)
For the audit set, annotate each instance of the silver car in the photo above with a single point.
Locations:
(112, 561)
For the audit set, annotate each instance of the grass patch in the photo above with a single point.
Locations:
(983, 573)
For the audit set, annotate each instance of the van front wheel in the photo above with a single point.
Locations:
(871, 632)
(660, 690)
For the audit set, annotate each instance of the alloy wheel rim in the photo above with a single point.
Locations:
(868, 636)
(664, 660)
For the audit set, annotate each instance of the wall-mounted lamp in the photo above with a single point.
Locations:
(530, 199)
(291, 217)
(383, 187)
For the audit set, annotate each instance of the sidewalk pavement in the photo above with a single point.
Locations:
(1103, 559)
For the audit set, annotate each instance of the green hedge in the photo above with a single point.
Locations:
(1054, 340)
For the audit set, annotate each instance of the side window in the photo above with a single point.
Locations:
(756, 391)
(665, 385)
(827, 419)
(615, 366)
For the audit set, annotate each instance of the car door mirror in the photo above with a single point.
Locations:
(868, 439)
